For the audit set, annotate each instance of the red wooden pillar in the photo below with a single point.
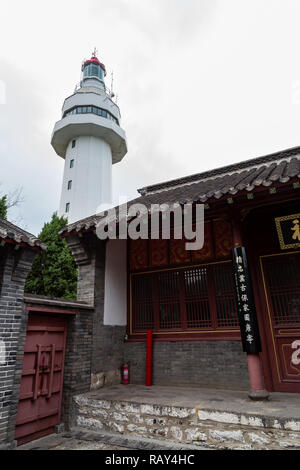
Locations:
(257, 387)
(149, 354)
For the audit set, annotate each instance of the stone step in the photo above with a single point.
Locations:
(211, 429)
(130, 441)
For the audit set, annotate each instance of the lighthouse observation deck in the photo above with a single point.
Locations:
(90, 111)
(89, 124)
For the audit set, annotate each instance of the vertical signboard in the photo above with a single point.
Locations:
(245, 301)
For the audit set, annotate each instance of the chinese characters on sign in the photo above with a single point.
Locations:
(296, 230)
(245, 302)
(288, 230)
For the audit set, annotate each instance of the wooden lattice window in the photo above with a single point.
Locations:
(283, 281)
(197, 297)
(225, 295)
(168, 287)
(142, 295)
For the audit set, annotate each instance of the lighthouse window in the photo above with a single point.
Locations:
(73, 143)
(68, 207)
(71, 163)
(93, 110)
(70, 184)
(93, 70)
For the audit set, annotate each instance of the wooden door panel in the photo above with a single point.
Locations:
(281, 275)
(42, 377)
(288, 346)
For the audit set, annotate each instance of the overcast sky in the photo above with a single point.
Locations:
(200, 84)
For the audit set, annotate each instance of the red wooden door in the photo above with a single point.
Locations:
(42, 377)
(281, 275)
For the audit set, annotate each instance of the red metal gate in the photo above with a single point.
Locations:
(42, 377)
(281, 276)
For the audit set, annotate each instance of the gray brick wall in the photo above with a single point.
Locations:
(107, 340)
(216, 364)
(107, 349)
(15, 265)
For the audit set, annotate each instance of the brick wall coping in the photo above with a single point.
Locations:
(50, 301)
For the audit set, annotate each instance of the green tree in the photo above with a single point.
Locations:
(3, 207)
(54, 271)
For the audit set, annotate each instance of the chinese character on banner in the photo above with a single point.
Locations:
(245, 302)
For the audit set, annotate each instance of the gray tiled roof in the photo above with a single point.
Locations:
(18, 235)
(259, 162)
(212, 185)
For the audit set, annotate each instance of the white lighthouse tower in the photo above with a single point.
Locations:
(90, 139)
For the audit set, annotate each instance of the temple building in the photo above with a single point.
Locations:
(189, 298)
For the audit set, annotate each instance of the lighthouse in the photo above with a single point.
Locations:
(90, 140)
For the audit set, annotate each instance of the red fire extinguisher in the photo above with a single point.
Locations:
(125, 374)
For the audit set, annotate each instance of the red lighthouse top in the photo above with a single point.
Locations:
(94, 60)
